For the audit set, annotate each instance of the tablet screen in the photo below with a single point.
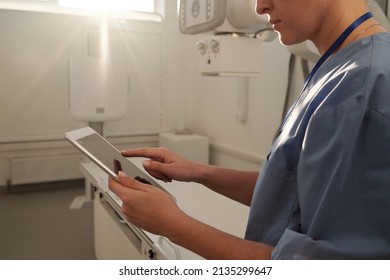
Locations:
(108, 157)
(103, 152)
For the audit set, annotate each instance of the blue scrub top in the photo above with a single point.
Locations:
(324, 191)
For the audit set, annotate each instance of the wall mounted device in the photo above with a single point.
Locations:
(196, 16)
(98, 88)
(220, 16)
(231, 47)
(229, 56)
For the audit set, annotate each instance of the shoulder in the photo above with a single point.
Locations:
(359, 73)
(377, 86)
(370, 54)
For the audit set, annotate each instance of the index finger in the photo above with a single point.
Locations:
(126, 183)
(116, 187)
(122, 187)
(152, 153)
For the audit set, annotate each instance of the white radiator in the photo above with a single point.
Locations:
(28, 170)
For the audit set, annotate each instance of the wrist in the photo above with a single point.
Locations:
(180, 230)
(201, 173)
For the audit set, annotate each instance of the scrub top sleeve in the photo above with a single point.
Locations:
(343, 178)
(326, 157)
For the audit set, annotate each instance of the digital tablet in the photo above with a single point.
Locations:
(105, 155)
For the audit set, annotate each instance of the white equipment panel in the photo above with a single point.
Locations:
(230, 56)
(98, 88)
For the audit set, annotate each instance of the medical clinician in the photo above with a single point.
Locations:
(324, 191)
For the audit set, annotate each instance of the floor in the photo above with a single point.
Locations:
(37, 224)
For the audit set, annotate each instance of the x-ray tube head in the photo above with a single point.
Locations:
(198, 16)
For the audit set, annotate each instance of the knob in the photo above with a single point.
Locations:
(202, 47)
(151, 254)
(214, 45)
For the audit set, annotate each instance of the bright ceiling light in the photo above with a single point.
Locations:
(110, 5)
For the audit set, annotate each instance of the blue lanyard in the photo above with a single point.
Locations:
(340, 40)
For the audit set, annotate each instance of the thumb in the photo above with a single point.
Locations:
(152, 165)
(157, 170)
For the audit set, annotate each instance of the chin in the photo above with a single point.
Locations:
(288, 41)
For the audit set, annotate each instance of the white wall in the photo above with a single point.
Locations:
(34, 97)
(174, 68)
(35, 51)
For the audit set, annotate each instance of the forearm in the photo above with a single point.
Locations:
(167, 166)
(211, 243)
(235, 184)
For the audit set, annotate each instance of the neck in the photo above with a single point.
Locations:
(366, 29)
(338, 20)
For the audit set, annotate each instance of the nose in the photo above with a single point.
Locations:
(263, 7)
